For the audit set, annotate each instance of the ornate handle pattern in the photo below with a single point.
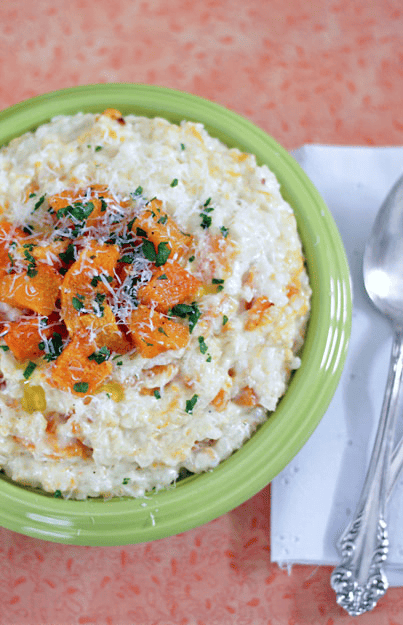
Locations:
(355, 597)
(359, 580)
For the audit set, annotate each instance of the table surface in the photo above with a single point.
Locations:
(329, 71)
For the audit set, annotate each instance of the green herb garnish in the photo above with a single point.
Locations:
(100, 356)
(77, 302)
(224, 231)
(159, 257)
(53, 347)
(81, 387)
(68, 255)
(39, 202)
(31, 366)
(190, 404)
(191, 311)
(206, 221)
(202, 344)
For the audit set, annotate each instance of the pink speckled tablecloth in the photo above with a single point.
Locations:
(328, 71)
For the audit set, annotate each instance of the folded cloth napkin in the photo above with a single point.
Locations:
(314, 497)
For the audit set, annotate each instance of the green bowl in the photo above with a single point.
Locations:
(200, 498)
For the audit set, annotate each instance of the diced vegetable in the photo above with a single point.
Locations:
(246, 397)
(74, 371)
(37, 292)
(257, 312)
(10, 237)
(104, 330)
(26, 335)
(170, 285)
(220, 401)
(161, 228)
(78, 293)
(152, 333)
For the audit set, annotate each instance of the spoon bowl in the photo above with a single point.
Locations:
(383, 258)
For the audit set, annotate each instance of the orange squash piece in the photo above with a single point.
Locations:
(220, 401)
(38, 293)
(75, 448)
(152, 333)
(79, 281)
(97, 194)
(246, 397)
(74, 371)
(257, 312)
(49, 254)
(9, 234)
(25, 335)
(170, 285)
(104, 330)
(161, 228)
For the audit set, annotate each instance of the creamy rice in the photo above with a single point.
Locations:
(186, 408)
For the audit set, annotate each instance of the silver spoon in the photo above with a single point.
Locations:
(359, 581)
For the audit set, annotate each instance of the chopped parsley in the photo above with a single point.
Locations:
(125, 480)
(98, 278)
(224, 320)
(98, 148)
(58, 494)
(77, 302)
(53, 347)
(31, 270)
(159, 257)
(174, 182)
(219, 282)
(69, 255)
(224, 231)
(39, 202)
(190, 404)
(99, 308)
(206, 221)
(81, 387)
(137, 192)
(161, 329)
(163, 277)
(100, 356)
(163, 219)
(29, 369)
(5, 348)
(206, 218)
(183, 146)
(78, 212)
(157, 394)
(191, 311)
(202, 344)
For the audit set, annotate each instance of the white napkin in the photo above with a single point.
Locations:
(315, 496)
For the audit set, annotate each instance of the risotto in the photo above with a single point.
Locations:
(153, 299)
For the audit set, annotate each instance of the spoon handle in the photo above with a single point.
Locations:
(359, 580)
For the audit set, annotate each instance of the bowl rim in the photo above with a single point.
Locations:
(120, 521)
